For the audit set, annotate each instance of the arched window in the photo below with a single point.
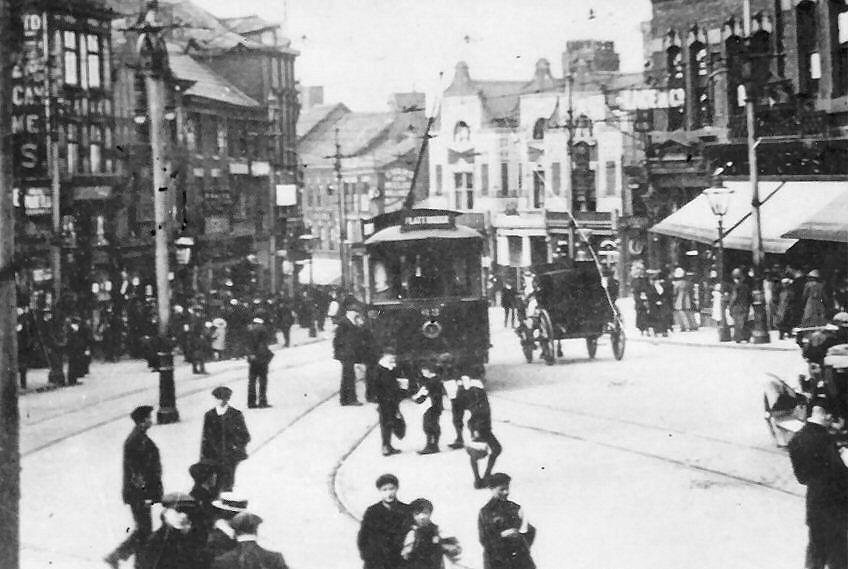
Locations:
(734, 52)
(461, 132)
(539, 129)
(809, 64)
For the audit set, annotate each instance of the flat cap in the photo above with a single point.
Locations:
(202, 470)
(387, 479)
(499, 479)
(245, 522)
(141, 413)
(222, 392)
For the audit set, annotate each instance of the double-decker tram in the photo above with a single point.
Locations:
(422, 282)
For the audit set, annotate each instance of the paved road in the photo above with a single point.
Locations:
(650, 462)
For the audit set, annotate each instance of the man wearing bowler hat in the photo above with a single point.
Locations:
(225, 437)
(248, 554)
(142, 483)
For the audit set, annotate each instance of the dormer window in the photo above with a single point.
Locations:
(539, 129)
(461, 132)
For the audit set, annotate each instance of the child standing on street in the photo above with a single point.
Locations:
(422, 547)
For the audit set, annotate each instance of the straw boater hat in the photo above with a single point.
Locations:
(230, 502)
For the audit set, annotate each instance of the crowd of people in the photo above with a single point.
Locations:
(202, 328)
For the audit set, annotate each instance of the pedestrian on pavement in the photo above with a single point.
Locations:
(739, 306)
(508, 304)
(682, 294)
(222, 536)
(174, 545)
(659, 298)
(783, 313)
(383, 527)
(142, 483)
(285, 319)
(76, 349)
(455, 391)
(248, 554)
(431, 390)
(26, 343)
(422, 547)
(480, 426)
(388, 395)
(224, 438)
(204, 491)
(818, 464)
(347, 348)
(219, 337)
(504, 532)
(815, 310)
(259, 355)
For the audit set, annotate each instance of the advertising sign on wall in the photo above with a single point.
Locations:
(29, 98)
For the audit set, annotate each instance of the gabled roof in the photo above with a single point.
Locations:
(358, 133)
(500, 100)
(248, 24)
(205, 82)
(310, 118)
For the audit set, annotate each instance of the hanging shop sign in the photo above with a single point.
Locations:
(29, 99)
(633, 99)
(37, 201)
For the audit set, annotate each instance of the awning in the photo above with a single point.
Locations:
(324, 271)
(784, 204)
(395, 234)
(828, 224)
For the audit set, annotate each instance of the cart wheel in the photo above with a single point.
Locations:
(618, 341)
(592, 346)
(528, 353)
(548, 343)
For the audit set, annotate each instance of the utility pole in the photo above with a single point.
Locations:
(759, 334)
(275, 160)
(10, 465)
(337, 165)
(154, 60)
(569, 195)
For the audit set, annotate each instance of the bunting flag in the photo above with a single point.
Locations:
(454, 156)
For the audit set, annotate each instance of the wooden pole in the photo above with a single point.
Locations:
(10, 465)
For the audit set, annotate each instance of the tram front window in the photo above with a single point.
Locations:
(406, 271)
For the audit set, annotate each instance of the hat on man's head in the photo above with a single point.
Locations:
(141, 413)
(201, 471)
(679, 273)
(814, 274)
(222, 392)
(387, 479)
(499, 479)
(445, 358)
(840, 319)
(245, 523)
(178, 501)
(230, 502)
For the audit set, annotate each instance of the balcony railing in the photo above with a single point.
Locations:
(783, 121)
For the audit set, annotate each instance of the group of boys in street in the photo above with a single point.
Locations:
(395, 535)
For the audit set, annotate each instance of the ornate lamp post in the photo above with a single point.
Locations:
(719, 198)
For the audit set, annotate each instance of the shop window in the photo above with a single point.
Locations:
(839, 41)
(809, 63)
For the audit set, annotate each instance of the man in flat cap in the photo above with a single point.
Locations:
(347, 349)
(204, 491)
(142, 483)
(175, 545)
(817, 464)
(248, 554)
(225, 437)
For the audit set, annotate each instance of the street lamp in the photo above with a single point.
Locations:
(719, 199)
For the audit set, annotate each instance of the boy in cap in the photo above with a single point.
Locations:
(248, 554)
(225, 437)
(432, 389)
(384, 524)
(388, 395)
(142, 483)
(480, 423)
(422, 547)
(174, 545)
(504, 532)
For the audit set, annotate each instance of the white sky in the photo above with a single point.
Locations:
(363, 50)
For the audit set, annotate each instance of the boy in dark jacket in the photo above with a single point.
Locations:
(388, 395)
(383, 528)
(422, 547)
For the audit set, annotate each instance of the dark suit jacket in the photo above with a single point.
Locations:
(816, 463)
(249, 555)
(224, 437)
(502, 552)
(381, 535)
(142, 469)
(347, 343)
(386, 388)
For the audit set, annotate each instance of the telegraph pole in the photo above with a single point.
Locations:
(154, 59)
(10, 469)
(337, 165)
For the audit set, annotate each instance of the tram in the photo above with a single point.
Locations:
(421, 280)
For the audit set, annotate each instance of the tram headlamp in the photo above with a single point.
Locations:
(431, 329)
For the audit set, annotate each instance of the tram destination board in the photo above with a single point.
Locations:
(416, 221)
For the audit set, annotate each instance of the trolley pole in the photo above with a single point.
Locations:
(10, 466)
(760, 333)
(154, 57)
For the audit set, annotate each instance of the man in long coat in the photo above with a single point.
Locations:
(347, 348)
(142, 483)
(258, 357)
(504, 532)
(225, 437)
(817, 464)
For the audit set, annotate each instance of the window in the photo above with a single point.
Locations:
(221, 139)
(520, 176)
(504, 178)
(484, 179)
(734, 47)
(95, 150)
(464, 190)
(73, 148)
(438, 179)
(69, 49)
(809, 67)
(93, 60)
(190, 129)
(699, 66)
(839, 41)
(461, 132)
(675, 81)
(538, 189)
(83, 63)
(539, 129)
(556, 177)
(612, 180)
